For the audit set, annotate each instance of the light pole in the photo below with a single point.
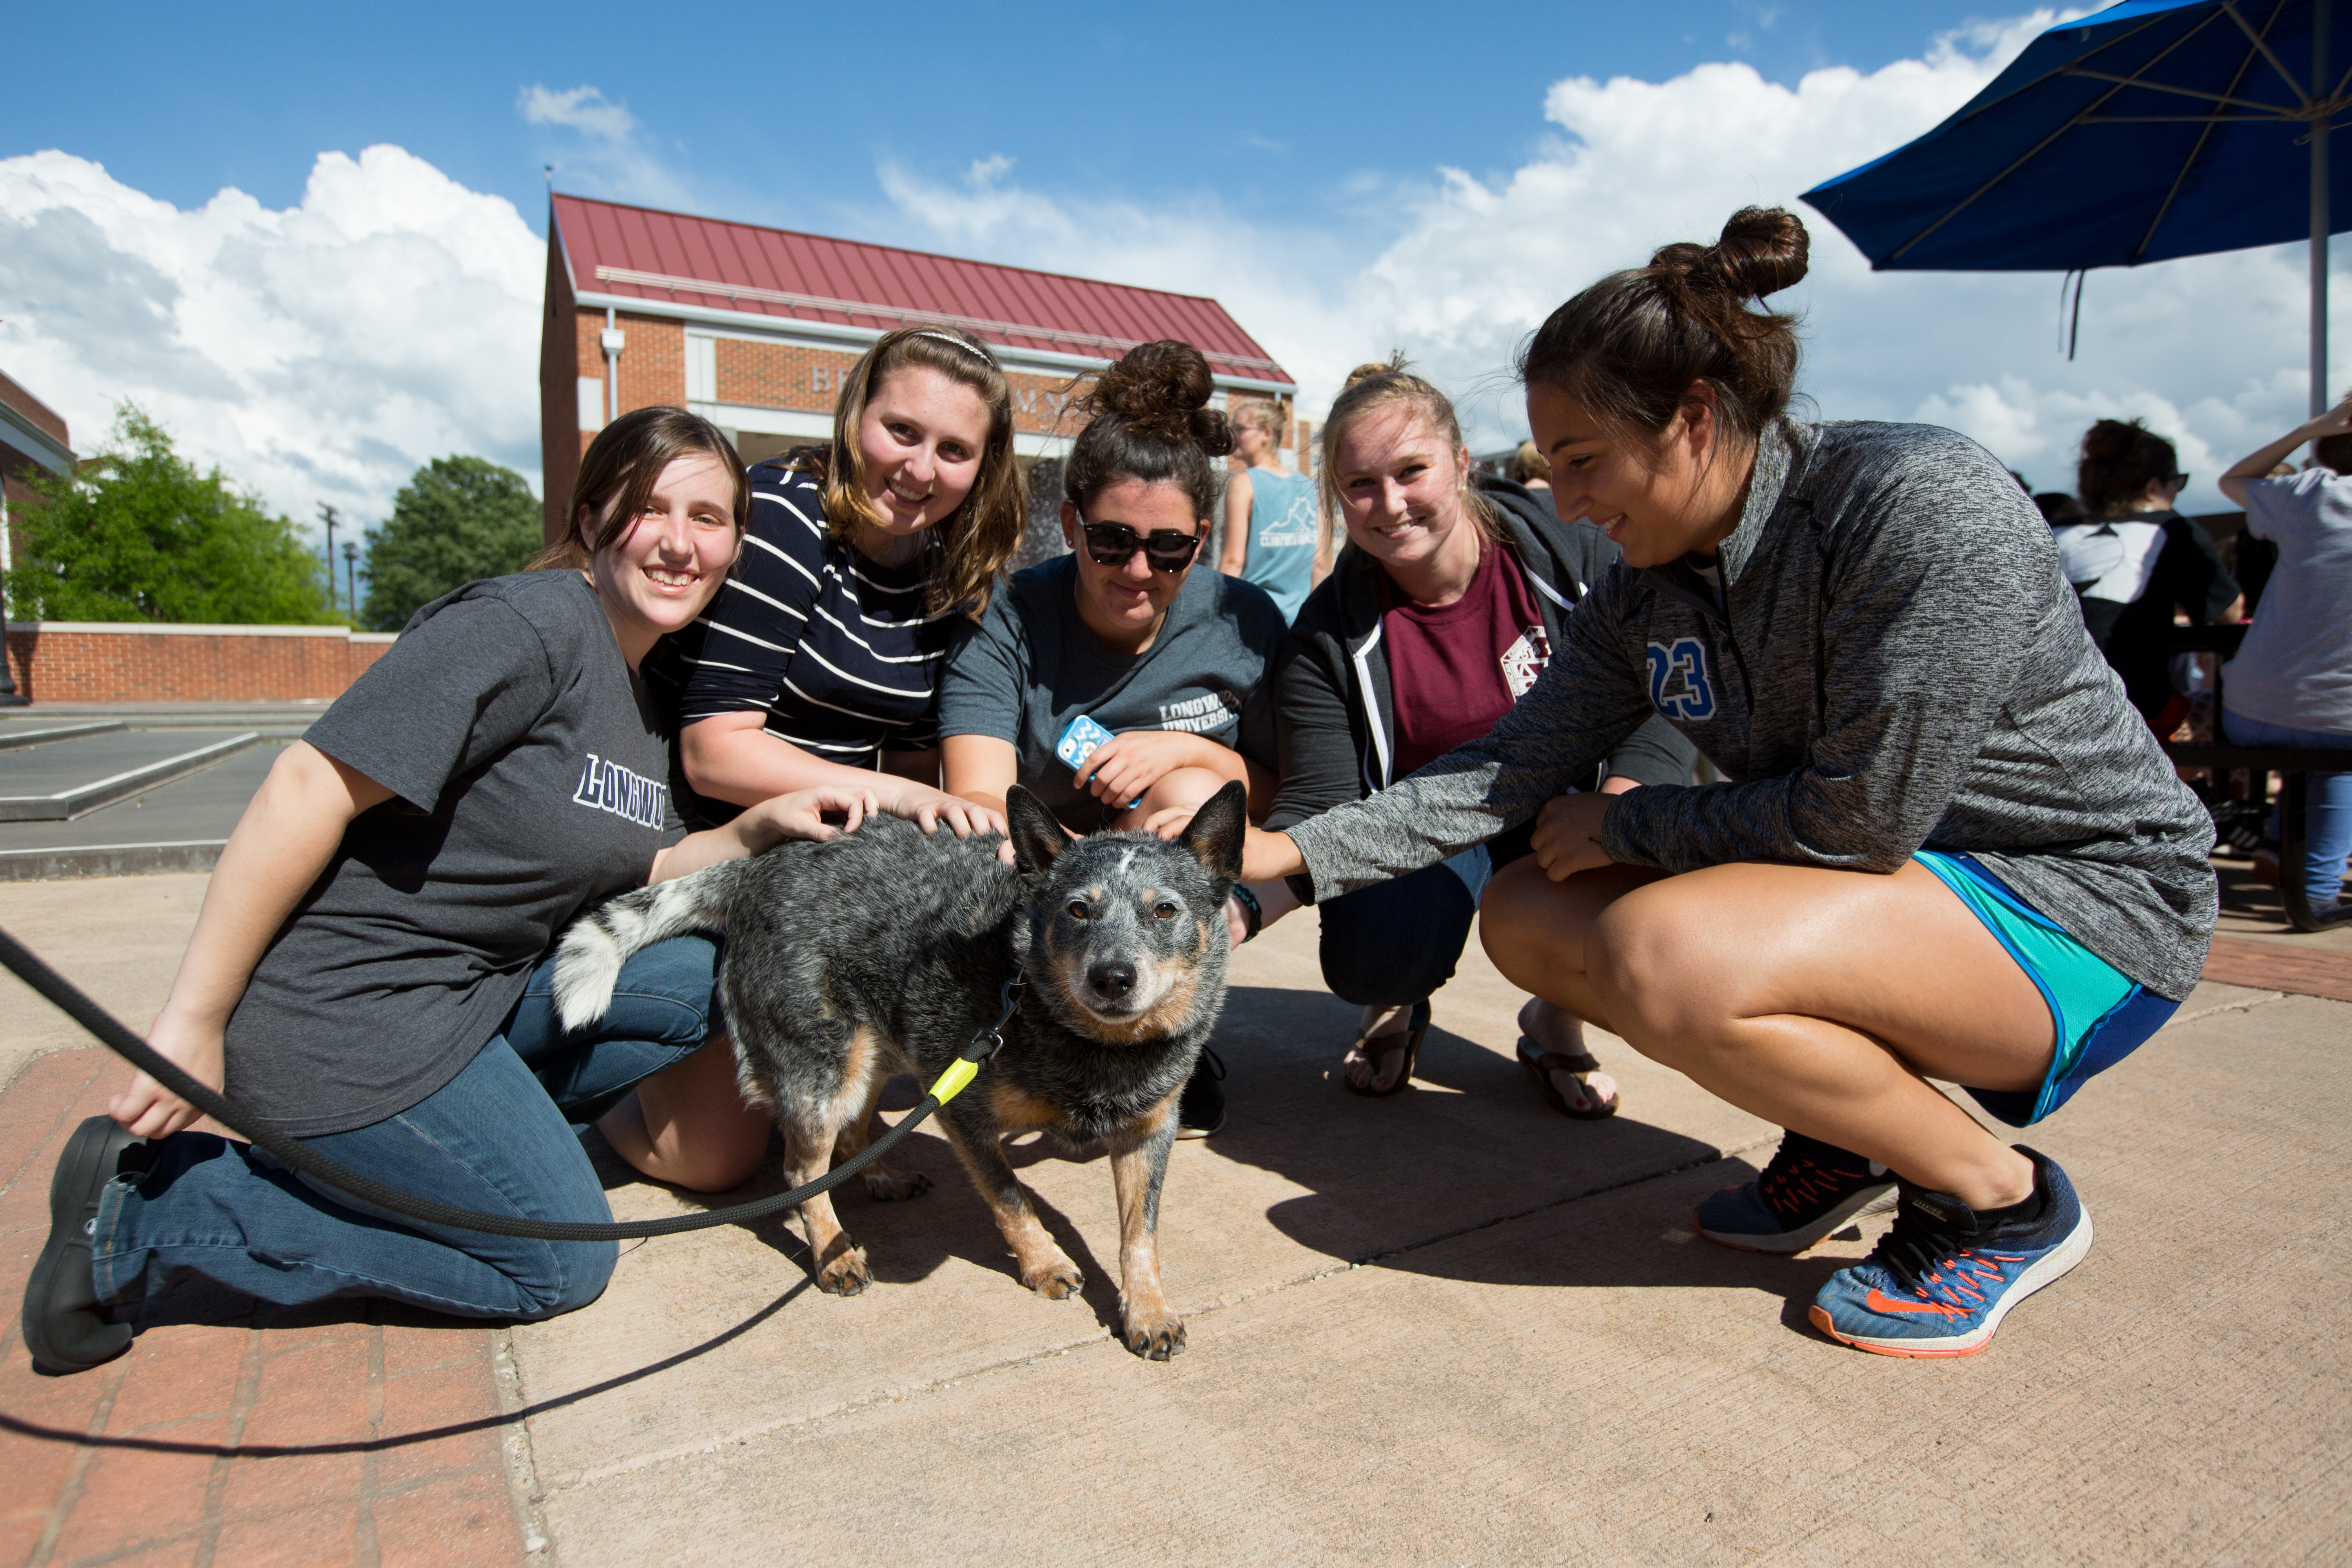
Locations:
(351, 574)
(327, 512)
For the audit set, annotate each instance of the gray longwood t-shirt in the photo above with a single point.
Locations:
(528, 780)
(1031, 667)
(2294, 669)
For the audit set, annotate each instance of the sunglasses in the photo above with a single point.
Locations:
(2179, 480)
(1115, 544)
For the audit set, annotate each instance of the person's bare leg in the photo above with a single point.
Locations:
(1813, 998)
(687, 1124)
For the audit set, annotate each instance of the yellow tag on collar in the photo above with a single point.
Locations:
(953, 1081)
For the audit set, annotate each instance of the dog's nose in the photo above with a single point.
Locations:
(1111, 979)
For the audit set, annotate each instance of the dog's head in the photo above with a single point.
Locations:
(1127, 930)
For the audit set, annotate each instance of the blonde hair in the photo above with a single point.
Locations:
(1254, 413)
(981, 535)
(1526, 463)
(1373, 386)
(622, 466)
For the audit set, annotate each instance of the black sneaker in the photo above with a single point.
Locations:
(65, 1327)
(1808, 1190)
(1202, 1111)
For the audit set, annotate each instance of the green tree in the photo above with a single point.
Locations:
(139, 534)
(457, 520)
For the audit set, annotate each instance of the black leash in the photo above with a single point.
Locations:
(109, 1033)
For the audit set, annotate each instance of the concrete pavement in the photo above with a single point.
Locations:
(1447, 1327)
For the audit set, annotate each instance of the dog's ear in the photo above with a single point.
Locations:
(1036, 837)
(1215, 833)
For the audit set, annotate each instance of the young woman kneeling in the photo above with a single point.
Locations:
(1946, 848)
(370, 972)
(1118, 682)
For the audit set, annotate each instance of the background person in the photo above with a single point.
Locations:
(2136, 560)
(370, 970)
(1440, 613)
(1530, 471)
(1273, 534)
(2291, 684)
(1945, 848)
(1126, 633)
(819, 664)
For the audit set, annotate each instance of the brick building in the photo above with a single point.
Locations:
(33, 436)
(755, 329)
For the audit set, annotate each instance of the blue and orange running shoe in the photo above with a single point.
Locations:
(1939, 1283)
(1808, 1190)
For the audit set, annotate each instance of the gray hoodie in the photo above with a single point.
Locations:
(1895, 662)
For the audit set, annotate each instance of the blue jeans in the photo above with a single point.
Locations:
(2327, 805)
(1395, 943)
(493, 1138)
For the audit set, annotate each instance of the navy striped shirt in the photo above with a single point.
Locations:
(844, 656)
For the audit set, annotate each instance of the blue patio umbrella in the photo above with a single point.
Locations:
(2151, 130)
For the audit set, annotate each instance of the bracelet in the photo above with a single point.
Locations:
(1253, 912)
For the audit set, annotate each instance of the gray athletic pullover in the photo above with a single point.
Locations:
(1894, 662)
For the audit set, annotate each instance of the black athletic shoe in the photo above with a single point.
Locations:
(65, 1327)
(1808, 1190)
(1202, 1111)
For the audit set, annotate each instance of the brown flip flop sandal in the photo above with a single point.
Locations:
(1417, 1025)
(1541, 1064)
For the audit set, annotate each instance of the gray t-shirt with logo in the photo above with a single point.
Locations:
(528, 779)
(1031, 668)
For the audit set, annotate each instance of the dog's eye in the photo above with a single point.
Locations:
(1164, 910)
(1078, 909)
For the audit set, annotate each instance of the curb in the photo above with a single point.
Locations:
(109, 860)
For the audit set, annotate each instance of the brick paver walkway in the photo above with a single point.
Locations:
(2281, 966)
(347, 1435)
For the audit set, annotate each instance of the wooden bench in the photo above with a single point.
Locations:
(2291, 763)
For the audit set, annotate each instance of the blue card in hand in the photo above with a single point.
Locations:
(1082, 740)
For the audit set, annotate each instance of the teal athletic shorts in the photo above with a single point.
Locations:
(2101, 1016)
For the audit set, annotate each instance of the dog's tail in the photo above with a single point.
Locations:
(588, 961)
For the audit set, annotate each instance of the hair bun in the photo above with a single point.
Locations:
(1163, 389)
(1395, 365)
(1761, 251)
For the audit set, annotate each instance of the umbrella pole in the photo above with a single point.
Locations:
(2319, 210)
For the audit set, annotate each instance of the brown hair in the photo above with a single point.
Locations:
(1374, 386)
(980, 536)
(2121, 457)
(1151, 421)
(622, 466)
(1630, 347)
(1526, 463)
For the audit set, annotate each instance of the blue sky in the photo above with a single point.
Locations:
(310, 241)
(1282, 112)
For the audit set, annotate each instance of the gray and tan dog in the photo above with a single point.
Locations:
(886, 950)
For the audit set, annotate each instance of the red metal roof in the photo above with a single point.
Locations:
(638, 253)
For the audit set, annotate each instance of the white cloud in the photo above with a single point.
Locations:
(582, 109)
(319, 353)
(322, 351)
(2210, 349)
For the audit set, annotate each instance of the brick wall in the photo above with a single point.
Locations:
(87, 661)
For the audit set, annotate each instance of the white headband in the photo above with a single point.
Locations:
(964, 343)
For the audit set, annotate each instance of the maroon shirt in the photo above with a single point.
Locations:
(1454, 671)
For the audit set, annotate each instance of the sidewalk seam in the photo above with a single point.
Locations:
(522, 1465)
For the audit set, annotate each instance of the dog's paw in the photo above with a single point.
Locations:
(885, 1185)
(1154, 1336)
(845, 1275)
(1056, 1278)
